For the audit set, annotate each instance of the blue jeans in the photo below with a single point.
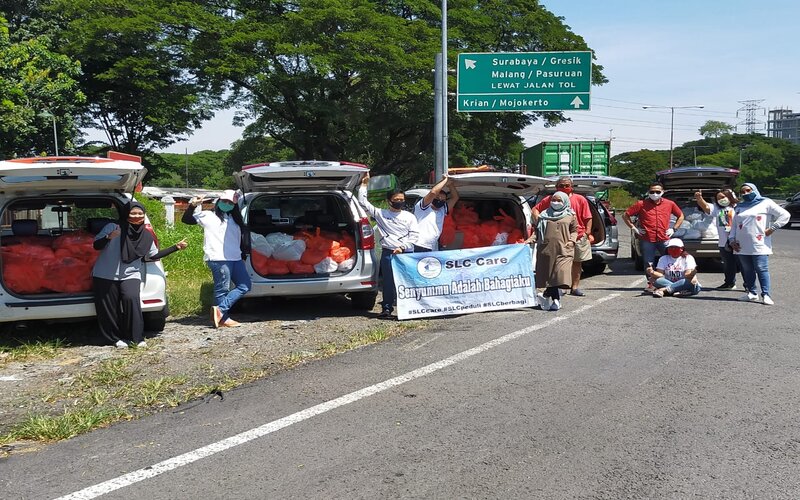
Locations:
(730, 265)
(223, 272)
(682, 285)
(649, 251)
(389, 291)
(752, 266)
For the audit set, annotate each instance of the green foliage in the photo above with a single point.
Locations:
(640, 167)
(714, 128)
(35, 80)
(203, 169)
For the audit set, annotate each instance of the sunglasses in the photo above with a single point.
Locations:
(563, 185)
(656, 192)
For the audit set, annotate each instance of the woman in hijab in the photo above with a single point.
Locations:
(556, 234)
(754, 221)
(116, 276)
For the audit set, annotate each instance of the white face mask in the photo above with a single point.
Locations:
(724, 202)
(557, 206)
(655, 196)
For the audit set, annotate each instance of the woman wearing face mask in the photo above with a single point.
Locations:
(676, 272)
(116, 276)
(398, 230)
(430, 212)
(754, 221)
(225, 246)
(556, 234)
(722, 213)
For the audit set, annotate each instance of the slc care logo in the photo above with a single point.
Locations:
(429, 267)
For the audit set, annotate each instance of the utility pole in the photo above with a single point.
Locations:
(440, 136)
(186, 157)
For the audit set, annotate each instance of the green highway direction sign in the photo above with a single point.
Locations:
(523, 81)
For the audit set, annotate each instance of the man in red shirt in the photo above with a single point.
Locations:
(653, 224)
(583, 247)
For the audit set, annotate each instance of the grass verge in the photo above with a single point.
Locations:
(37, 349)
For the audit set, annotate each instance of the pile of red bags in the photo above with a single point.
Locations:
(501, 229)
(324, 252)
(37, 265)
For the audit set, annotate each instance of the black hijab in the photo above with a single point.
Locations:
(136, 240)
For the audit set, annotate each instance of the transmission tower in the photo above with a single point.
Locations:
(750, 109)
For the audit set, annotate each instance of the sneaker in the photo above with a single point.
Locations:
(216, 316)
(649, 289)
(748, 297)
(385, 314)
(229, 323)
(727, 286)
(556, 305)
(577, 292)
(544, 302)
(767, 300)
(682, 293)
(121, 344)
(142, 344)
(658, 293)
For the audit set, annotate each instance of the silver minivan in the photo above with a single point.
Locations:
(310, 201)
(50, 209)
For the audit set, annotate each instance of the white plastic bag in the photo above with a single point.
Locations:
(326, 265)
(261, 245)
(290, 251)
(500, 239)
(278, 239)
(347, 264)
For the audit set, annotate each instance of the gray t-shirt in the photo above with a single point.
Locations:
(109, 264)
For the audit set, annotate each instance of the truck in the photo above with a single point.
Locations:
(549, 159)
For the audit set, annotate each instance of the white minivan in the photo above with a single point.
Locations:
(50, 209)
(291, 201)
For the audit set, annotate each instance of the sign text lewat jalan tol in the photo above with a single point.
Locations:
(524, 81)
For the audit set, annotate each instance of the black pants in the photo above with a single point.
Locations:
(119, 311)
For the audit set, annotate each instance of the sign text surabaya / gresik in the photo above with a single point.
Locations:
(535, 74)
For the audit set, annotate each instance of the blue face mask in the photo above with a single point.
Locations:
(225, 206)
(749, 196)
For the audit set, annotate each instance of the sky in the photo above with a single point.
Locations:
(714, 53)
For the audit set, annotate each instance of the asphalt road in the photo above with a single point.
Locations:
(618, 395)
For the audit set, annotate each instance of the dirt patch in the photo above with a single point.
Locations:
(187, 361)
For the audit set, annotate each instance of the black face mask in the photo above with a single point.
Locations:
(438, 203)
(398, 204)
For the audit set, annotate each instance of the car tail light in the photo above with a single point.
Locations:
(152, 301)
(150, 228)
(367, 234)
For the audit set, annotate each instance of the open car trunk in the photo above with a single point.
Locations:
(46, 243)
(490, 210)
(302, 235)
(592, 186)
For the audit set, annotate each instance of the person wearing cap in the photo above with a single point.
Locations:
(754, 221)
(225, 247)
(430, 212)
(676, 272)
(583, 216)
(653, 225)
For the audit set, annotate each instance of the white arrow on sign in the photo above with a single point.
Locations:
(469, 63)
(577, 103)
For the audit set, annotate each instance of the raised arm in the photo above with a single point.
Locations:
(362, 196)
(703, 204)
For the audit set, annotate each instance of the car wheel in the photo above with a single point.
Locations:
(363, 301)
(594, 267)
(638, 261)
(156, 321)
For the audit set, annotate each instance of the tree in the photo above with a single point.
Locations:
(640, 167)
(713, 129)
(352, 80)
(141, 89)
(35, 80)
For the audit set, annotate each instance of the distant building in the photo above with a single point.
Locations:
(784, 124)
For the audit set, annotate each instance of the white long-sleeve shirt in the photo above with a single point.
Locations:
(750, 225)
(397, 229)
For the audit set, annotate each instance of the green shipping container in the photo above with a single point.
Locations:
(548, 159)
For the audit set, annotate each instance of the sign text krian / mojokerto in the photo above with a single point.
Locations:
(524, 81)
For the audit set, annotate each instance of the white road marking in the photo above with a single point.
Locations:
(276, 425)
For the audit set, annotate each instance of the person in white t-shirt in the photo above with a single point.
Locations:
(430, 212)
(676, 272)
(722, 212)
(755, 220)
(225, 246)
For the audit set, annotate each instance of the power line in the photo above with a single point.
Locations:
(750, 108)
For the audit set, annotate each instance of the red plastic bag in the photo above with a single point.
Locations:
(487, 232)
(340, 254)
(260, 262)
(505, 222)
(464, 215)
(472, 237)
(67, 275)
(313, 256)
(278, 267)
(347, 241)
(448, 235)
(300, 268)
(515, 236)
(22, 275)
